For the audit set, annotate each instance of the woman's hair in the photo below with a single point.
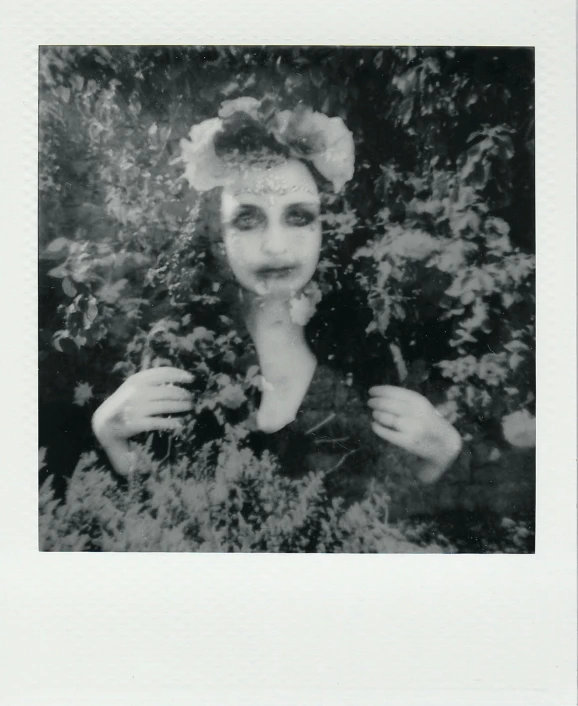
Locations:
(243, 136)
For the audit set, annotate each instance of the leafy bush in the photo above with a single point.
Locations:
(246, 506)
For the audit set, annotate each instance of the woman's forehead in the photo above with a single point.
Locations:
(289, 179)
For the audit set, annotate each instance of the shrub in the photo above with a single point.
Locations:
(247, 506)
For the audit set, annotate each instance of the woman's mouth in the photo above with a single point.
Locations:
(276, 271)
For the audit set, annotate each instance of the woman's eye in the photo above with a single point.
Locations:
(300, 217)
(248, 219)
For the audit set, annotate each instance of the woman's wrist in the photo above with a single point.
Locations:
(121, 456)
(433, 470)
(118, 450)
(106, 436)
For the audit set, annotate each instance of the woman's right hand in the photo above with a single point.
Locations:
(139, 405)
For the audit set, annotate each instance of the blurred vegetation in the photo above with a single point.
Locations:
(435, 234)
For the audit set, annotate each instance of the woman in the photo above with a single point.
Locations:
(271, 168)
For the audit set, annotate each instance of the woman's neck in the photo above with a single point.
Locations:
(269, 321)
(287, 364)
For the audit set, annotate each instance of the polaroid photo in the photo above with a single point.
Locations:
(301, 381)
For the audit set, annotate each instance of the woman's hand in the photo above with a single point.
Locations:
(409, 420)
(138, 406)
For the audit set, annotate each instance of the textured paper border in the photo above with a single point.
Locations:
(85, 629)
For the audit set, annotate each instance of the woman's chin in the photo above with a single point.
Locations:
(277, 288)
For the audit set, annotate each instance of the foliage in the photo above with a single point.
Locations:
(434, 235)
(247, 506)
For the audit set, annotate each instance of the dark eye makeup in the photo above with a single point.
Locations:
(300, 215)
(249, 216)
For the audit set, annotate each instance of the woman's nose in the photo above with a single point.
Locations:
(274, 241)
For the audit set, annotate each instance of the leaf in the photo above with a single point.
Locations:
(252, 372)
(64, 344)
(56, 249)
(200, 333)
(68, 287)
(110, 293)
(78, 82)
(399, 362)
(91, 312)
(515, 360)
(57, 245)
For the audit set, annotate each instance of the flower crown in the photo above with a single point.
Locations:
(305, 134)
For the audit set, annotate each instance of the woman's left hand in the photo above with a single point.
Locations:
(409, 420)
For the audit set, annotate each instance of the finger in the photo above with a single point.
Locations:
(166, 407)
(415, 402)
(391, 405)
(162, 376)
(392, 392)
(410, 426)
(168, 392)
(406, 425)
(394, 437)
(386, 419)
(161, 424)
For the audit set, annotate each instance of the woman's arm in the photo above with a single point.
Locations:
(118, 453)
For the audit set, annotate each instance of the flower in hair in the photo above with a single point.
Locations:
(246, 104)
(203, 169)
(314, 137)
(322, 140)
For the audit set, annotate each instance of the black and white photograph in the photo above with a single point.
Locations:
(289, 353)
(286, 299)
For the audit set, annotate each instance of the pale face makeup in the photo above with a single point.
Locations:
(272, 229)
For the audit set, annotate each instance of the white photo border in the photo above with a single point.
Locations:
(268, 629)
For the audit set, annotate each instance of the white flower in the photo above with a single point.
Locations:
(325, 142)
(83, 393)
(232, 396)
(245, 104)
(302, 308)
(204, 170)
(519, 429)
(492, 368)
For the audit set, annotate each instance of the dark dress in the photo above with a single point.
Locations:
(331, 433)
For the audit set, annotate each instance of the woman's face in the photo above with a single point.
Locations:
(272, 229)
